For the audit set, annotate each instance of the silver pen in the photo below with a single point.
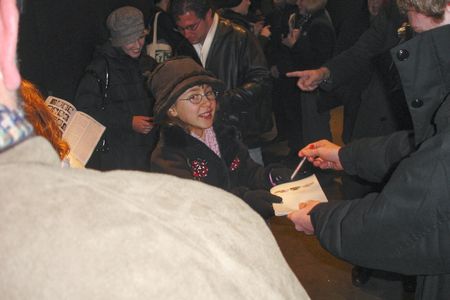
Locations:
(300, 164)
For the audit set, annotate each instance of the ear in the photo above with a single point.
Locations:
(172, 112)
(9, 23)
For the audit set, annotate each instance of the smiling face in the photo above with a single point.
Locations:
(193, 28)
(196, 117)
(134, 49)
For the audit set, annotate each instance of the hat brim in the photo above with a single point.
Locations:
(124, 40)
(184, 85)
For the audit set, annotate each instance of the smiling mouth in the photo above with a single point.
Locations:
(206, 115)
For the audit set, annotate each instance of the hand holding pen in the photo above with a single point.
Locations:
(322, 154)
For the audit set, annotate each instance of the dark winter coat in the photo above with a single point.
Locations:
(406, 227)
(236, 58)
(380, 111)
(180, 154)
(313, 48)
(126, 97)
(379, 38)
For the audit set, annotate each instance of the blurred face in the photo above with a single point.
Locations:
(279, 2)
(301, 6)
(194, 29)
(375, 6)
(246, 5)
(134, 49)
(197, 117)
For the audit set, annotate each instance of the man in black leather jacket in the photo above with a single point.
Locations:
(234, 56)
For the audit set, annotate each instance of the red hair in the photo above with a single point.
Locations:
(40, 116)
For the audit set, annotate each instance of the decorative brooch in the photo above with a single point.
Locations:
(235, 164)
(199, 168)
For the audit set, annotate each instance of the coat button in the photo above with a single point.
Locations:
(416, 103)
(402, 54)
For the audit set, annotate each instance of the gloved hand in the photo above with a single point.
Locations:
(261, 195)
(261, 201)
(282, 175)
(279, 175)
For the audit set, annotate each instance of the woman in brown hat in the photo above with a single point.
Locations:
(193, 145)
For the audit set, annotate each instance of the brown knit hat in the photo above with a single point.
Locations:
(172, 78)
(126, 25)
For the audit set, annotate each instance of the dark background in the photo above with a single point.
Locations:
(57, 39)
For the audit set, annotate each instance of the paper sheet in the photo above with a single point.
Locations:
(296, 192)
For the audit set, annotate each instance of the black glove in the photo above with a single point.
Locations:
(279, 175)
(261, 201)
(282, 175)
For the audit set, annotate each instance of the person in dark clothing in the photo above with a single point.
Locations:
(381, 109)
(405, 227)
(167, 31)
(113, 92)
(236, 11)
(234, 56)
(192, 145)
(309, 44)
(350, 19)
(283, 88)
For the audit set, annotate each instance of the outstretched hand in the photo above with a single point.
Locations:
(323, 154)
(301, 217)
(309, 80)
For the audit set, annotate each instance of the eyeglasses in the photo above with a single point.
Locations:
(197, 98)
(192, 27)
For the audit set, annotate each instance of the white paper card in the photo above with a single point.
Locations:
(296, 192)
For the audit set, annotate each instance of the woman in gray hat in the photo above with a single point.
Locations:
(113, 92)
(192, 145)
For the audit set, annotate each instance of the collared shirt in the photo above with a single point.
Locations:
(203, 49)
(14, 128)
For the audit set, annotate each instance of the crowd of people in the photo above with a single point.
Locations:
(190, 92)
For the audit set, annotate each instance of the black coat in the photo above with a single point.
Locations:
(237, 59)
(183, 155)
(406, 227)
(379, 38)
(180, 154)
(126, 97)
(313, 48)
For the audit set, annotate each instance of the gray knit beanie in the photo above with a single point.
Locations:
(126, 25)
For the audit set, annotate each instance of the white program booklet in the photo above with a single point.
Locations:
(296, 192)
(81, 131)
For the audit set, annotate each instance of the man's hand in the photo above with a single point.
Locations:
(323, 154)
(309, 80)
(301, 217)
(142, 124)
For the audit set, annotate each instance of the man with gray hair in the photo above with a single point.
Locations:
(83, 234)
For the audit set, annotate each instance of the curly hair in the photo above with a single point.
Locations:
(430, 8)
(40, 116)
